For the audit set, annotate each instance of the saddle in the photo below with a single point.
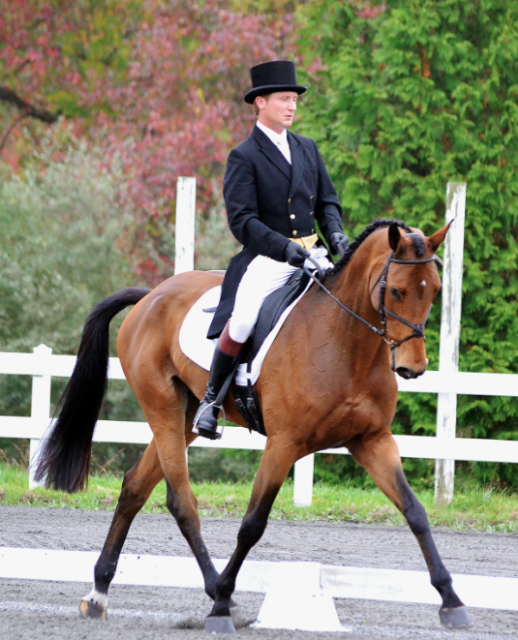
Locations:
(271, 311)
(273, 307)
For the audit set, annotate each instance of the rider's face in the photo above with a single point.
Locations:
(277, 110)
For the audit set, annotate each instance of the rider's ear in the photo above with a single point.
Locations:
(437, 239)
(394, 236)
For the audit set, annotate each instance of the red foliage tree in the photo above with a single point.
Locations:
(157, 84)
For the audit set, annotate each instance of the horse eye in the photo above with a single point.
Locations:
(395, 293)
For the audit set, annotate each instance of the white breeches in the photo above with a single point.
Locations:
(262, 276)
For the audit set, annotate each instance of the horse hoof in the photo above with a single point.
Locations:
(89, 609)
(457, 618)
(219, 624)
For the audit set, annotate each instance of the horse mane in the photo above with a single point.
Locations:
(361, 237)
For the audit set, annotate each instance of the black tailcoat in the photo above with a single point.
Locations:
(269, 201)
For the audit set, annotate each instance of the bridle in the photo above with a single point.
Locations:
(417, 329)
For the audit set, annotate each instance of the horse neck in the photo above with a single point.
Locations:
(352, 287)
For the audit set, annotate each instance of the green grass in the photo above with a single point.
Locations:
(474, 509)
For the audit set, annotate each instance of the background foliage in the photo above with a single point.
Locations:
(158, 86)
(415, 94)
(103, 104)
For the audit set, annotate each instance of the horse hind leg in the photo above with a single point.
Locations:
(137, 486)
(172, 429)
(381, 459)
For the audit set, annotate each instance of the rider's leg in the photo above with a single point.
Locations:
(225, 359)
(261, 278)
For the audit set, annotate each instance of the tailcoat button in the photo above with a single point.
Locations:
(311, 213)
(289, 200)
(295, 232)
(292, 216)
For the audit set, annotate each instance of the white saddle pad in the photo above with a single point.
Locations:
(196, 346)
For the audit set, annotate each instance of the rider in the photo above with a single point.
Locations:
(275, 187)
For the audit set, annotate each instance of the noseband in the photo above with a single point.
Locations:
(417, 329)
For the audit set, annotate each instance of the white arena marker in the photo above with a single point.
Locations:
(296, 601)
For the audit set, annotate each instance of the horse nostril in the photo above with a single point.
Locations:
(407, 374)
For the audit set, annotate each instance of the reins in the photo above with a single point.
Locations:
(374, 329)
(417, 329)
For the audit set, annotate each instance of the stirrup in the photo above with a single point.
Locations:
(210, 434)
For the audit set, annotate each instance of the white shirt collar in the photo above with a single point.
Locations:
(276, 138)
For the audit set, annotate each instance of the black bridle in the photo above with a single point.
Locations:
(417, 329)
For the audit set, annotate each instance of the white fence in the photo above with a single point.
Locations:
(448, 382)
(42, 365)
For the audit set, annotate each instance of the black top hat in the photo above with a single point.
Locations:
(278, 75)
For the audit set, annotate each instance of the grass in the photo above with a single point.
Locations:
(474, 509)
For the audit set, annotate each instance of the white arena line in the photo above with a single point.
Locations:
(144, 570)
(71, 612)
(414, 586)
(339, 582)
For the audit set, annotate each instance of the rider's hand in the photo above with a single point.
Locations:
(295, 254)
(339, 242)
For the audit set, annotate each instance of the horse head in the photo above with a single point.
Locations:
(402, 288)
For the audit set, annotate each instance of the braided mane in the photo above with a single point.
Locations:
(360, 238)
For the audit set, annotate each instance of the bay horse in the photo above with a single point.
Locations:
(327, 381)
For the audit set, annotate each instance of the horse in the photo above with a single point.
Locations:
(327, 381)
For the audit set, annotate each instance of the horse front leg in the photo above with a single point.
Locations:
(381, 459)
(137, 486)
(273, 469)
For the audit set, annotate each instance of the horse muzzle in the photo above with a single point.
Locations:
(409, 374)
(408, 370)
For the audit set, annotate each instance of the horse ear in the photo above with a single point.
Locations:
(437, 239)
(394, 236)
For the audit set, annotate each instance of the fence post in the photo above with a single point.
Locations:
(40, 406)
(450, 333)
(303, 481)
(184, 230)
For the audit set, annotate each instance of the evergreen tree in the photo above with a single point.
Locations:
(412, 94)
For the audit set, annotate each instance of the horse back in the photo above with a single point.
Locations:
(147, 343)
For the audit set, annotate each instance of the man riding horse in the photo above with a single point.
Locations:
(275, 187)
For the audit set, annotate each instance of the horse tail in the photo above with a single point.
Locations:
(64, 461)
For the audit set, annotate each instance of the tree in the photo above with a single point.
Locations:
(158, 86)
(413, 94)
(62, 250)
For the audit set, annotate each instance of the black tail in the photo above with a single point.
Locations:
(64, 461)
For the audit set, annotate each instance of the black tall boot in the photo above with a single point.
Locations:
(206, 419)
